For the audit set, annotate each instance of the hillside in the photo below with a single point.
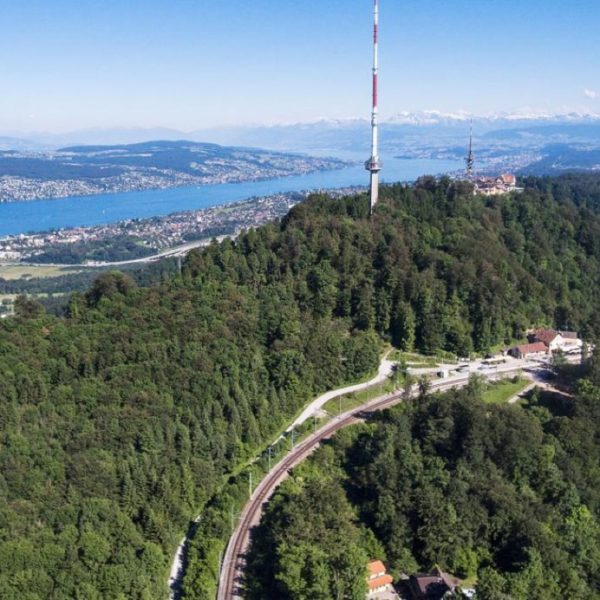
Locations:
(118, 421)
(505, 496)
(79, 170)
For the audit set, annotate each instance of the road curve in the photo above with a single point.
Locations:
(181, 250)
(231, 575)
(385, 369)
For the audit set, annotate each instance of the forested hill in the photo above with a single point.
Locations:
(437, 268)
(118, 421)
(505, 496)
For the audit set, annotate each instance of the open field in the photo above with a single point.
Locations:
(502, 391)
(14, 272)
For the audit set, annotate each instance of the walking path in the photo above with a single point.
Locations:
(385, 369)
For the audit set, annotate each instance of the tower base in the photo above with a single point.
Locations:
(374, 189)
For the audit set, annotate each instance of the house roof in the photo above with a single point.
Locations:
(379, 581)
(569, 335)
(531, 348)
(429, 586)
(434, 585)
(545, 335)
(376, 567)
(450, 581)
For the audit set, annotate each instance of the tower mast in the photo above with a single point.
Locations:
(470, 158)
(373, 165)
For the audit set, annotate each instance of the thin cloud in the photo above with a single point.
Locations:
(593, 94)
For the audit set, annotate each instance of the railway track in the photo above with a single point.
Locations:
(232, 567)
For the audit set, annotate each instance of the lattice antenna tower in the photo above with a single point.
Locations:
(470, 160)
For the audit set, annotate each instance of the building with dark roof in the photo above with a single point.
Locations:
(432, 586)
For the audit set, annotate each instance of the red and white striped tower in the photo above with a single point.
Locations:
(373, 164)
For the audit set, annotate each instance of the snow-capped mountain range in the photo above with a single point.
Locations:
(244, 134)
(436, 117)
(430, 133)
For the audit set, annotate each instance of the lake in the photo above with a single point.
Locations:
(42, 215)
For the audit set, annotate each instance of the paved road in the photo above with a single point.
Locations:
(175, 251)
(178, 565)
(231, 576)
(385, 369)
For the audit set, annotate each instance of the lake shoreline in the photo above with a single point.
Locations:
(36, 216)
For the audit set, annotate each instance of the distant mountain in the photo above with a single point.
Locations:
(410, 131)
(340, 134)
(505, 119)
(51, 141)
(502, 140)
(8, 143)
(544, 133)
(561, 158)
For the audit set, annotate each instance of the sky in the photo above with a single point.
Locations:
(193, 64)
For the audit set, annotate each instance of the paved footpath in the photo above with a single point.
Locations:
(385, 369)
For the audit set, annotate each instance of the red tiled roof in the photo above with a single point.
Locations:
(545, 335)
(376, 567)
(380, 581)
(530, 348)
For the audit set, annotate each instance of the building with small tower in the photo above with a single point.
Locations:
(488, 185)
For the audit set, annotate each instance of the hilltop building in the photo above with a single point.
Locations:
(496, 186)
(488, 186)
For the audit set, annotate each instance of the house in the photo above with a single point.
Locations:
(572, 341)
(550, 337)
(535, 350)
(570, 335)
(556, 340)
(432, 586)
(378, 579)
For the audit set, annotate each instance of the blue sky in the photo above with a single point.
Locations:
(186, 64)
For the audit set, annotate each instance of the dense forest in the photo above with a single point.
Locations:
(119, 420)
(505, 497)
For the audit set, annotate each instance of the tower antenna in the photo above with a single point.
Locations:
(470, 160)
(373, 165)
